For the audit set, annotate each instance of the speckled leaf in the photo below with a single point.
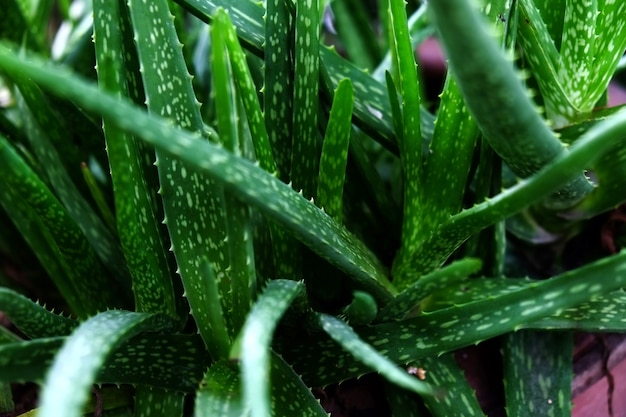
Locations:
(24, 192)
(403, 403)
(32, 319)
(335, 152)
(460, 325)
(305, 152)
(220, 393)
(256, 338)
(252, 184)
(449, 157)
(440, 244)
(343, 334)
(602, 314)
(193, 205)
(158, 402)
(83, 354)
(47, 139)
(437, 280)
(28, 361)
(278, 107)
(459, 399)
(241, 273)
(169, 361)
(538, 373)
(247, 92)
(136, 222)
(537, 30)
(278, 89)
(408, 132)
(371, 110)
(506, 116)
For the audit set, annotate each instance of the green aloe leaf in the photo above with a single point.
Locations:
(24, 197)
(538, 373)
(278, 107)
(459, 400)
(596, 142)
(461, 325)
(305, 150)
(61, 170)
(220, 393)
(136, 221)
(158, 402)
(408, 131)
(193, 205)
(600, 314)
(247, 91)
(256, 337)
(252, 184)
(506, 116)
(343, 334)
(334, 157)
(278, 88)
(33, 319)
(28, 361)
(241, 272)
(371, 109)
(437, 280)
(83, 354)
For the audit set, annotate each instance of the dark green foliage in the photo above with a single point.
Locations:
(307, 214)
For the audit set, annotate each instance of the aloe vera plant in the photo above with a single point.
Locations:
(229, 208)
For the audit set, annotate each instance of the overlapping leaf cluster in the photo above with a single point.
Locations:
(228, 208)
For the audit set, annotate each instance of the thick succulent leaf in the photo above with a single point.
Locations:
(256, 337)
(278, 107)
(334, 158)
(506, 116)
(220, 393)
(600, 314)
(403, 403)
(76, 365)
(278, 89)
(252, 184)
(25, 196)
(371, 106)
(458, 228)
(437, 280)
(157, 402)
(345, 336)
(408, 131)
(28, 361)
(459, 399)
(193, 205)
(170, 361)
(240, 272)
(538, 373)
(60, 165)
(461, 325)
(247, 91)
(450, 156)
(305, 151)
(136, 221)
(33, 319)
